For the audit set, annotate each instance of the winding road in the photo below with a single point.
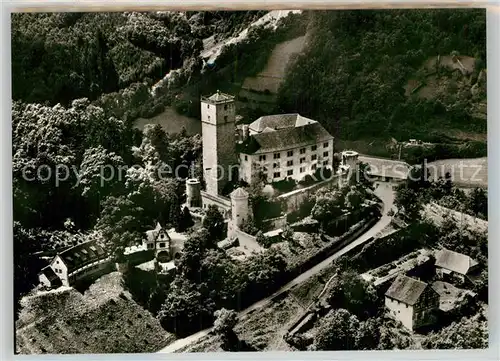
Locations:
(383, 190)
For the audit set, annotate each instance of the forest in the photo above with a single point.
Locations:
(80, 79)
(352, 77)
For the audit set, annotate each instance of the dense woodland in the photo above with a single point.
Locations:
(353, 74)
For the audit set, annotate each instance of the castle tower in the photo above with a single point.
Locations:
(239, 207)
(193, 194)
(218, 116)
(350, 158)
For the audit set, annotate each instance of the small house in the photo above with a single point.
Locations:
(167, 245)
(454, 265)
(411, 301)
(75, 263)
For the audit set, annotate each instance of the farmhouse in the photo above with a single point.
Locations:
(411, 301)
(74, 264)
(450, 264)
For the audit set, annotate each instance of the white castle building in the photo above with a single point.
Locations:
(275, 147)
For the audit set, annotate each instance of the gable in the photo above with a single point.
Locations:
(58, 262)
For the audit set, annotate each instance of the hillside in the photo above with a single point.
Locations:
(405, 74)
(104, 319)
(58, 57)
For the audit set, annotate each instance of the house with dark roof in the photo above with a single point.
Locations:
(284, 146)
(411, 301)
(75, 263)
(165, 246)
(454, 265)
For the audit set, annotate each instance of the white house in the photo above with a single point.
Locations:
(411, 301)
(74, 264)
(284, 146)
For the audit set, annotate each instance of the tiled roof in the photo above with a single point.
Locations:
(454, 261)
(50, 274)
(279, 121)
(220, 97)
(82, 254)
(239, 193)
(406, 289)
(285, 138)
(152, 235)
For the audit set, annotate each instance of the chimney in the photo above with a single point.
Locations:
(244, 129)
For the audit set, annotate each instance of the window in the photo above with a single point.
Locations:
(277, 175)
(314, 157)
(276, 165)
(246, 158)
(325, 154)
(277, 155)
(208, 106)
(289, 172)
(289, 153)
(302, 160)
(302, 169)
(225, 118)
(302, 150)
(325, 145)
(162, 244)
(150, 245)
(313, 167)
(325, 162)
(209, 118)
(314, 147)
(262, 157)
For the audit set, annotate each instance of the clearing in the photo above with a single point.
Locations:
(104, 319)
(464, 172)
(274, 73)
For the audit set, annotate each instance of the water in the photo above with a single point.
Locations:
(172, 122)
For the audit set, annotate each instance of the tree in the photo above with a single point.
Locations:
(353, 293)
(337, 331)
(121, 222)
(186, 220)
(213, 222)
(468, 333)
(477, 203)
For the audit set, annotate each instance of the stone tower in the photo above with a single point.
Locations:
(239, 207)
(218, 116)
(193, 194)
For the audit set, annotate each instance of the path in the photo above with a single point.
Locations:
(383, 190)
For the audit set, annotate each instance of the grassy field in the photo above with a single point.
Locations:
(273, 74)
(103, 320)
(263, 328)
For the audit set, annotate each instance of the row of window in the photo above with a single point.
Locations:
(290, 162)
(160, 245)
(301, 161)
(301, 170)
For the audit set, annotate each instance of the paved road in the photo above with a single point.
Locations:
(383, 190)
